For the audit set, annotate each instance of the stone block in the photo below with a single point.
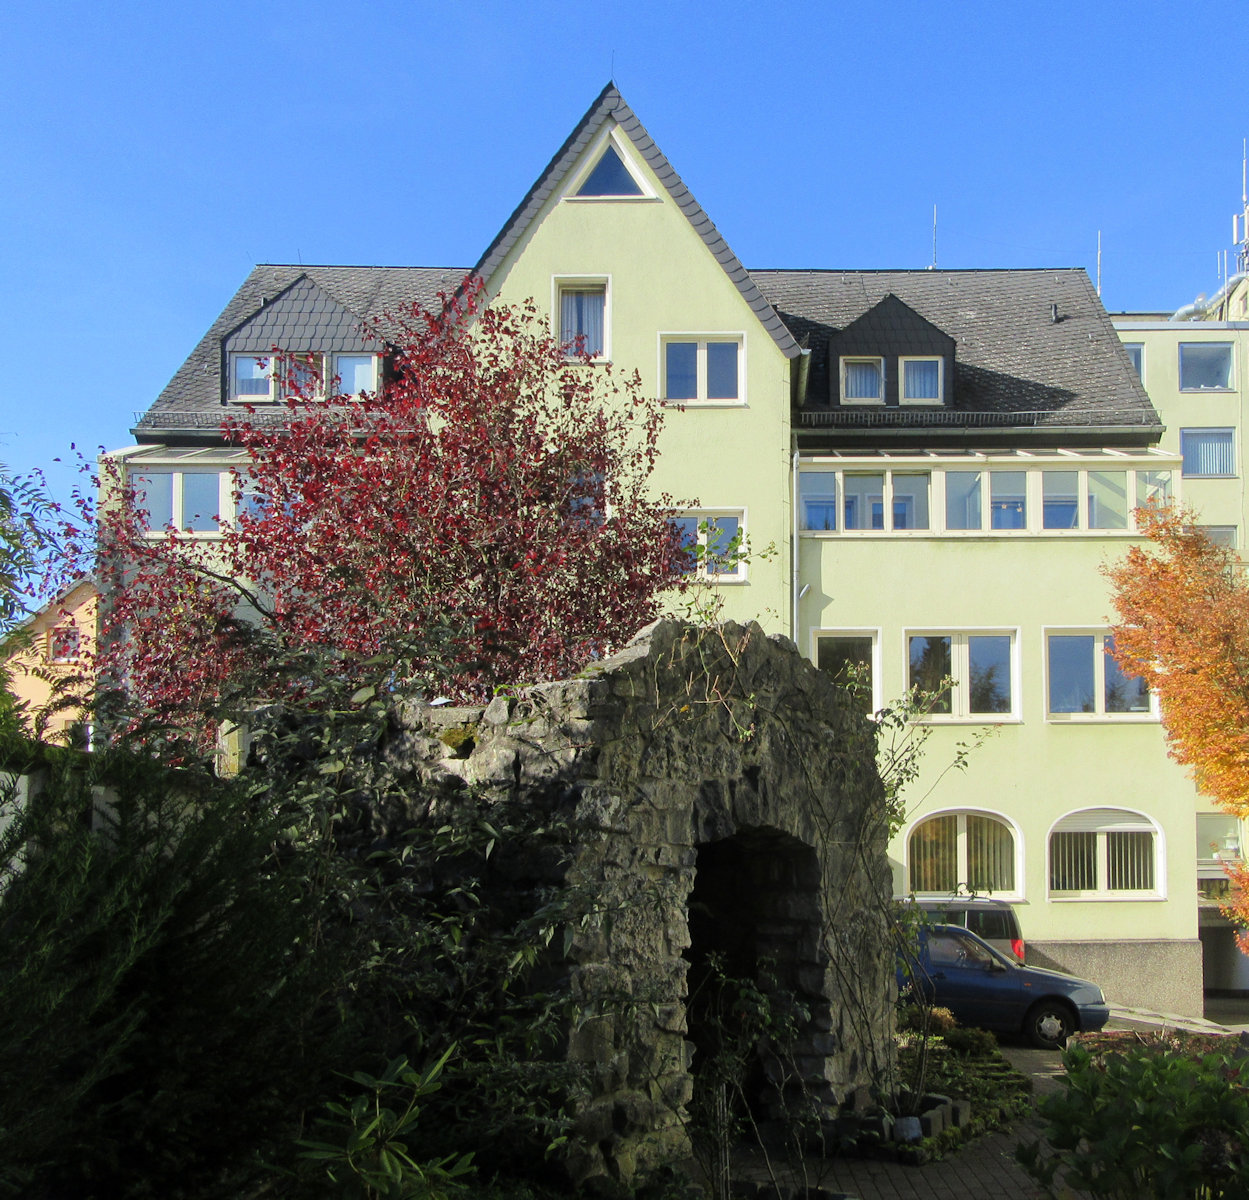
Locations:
(935, 1120)
(857, 1099)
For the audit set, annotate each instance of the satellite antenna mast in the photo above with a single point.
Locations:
(933, 265)
(1240, 225)
(1099, 262)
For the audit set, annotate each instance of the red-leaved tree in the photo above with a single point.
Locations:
(486, 518)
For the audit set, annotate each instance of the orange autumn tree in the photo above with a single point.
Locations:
(1183, 606)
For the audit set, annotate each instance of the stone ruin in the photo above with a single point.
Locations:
(723, 800)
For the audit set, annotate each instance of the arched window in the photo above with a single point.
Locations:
(1104, 852)
(969, 849)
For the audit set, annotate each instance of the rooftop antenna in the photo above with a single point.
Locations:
(1099, 262)
(1240, 236)
(933, 265)
(613, 66)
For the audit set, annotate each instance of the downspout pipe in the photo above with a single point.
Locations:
(799, 378)
(793, 542)
(801, 374)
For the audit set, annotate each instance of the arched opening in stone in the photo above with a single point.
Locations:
(757, 1012)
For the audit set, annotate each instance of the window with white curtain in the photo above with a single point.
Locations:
(1106, 853)
(969, 850)
(582, 309)
(862, 380)
(354, 373)
(922, 380)
(1209, 452)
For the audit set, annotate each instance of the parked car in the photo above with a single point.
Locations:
(954, 968)
(994, 920)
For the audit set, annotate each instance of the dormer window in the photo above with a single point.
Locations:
(922, 380)
(265, 378)
(354, 373)
(300, 376)
(249, 377)
(862, 380)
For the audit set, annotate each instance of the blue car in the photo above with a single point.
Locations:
(957, 970)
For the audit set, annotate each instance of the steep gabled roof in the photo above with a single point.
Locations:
(610, 106)
(894, 327)
(303, 318)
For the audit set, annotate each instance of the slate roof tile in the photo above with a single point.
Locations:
(348, 297)
(1010, 354)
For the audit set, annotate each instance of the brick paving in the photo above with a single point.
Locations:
(985, 1168)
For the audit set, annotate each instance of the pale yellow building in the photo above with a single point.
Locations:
(939, 462)
(1194, 363)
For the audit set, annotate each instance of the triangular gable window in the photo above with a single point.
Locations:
(610, 177)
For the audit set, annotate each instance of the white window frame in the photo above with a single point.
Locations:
(1137, 822)
(1099, 715)
(1227, 536)
(225, 494)
(1230, 347)
(1138, 476)
(921, 358)
(71, 629)
(847, 359)
(622, 146)
(332, 377)
(1200, 429)
(889, 497)
(960, 670)
(1137, 350)
(276, 372)
(704, 515)
(582, 283)
(961, 857)
(1227, 847)
(876, 689)
(265, 397)
(702, 341)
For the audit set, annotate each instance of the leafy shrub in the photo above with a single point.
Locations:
(1145, 1124)
(973, 1043)
(162, 1009)
(923, 1018)
(362, 1146)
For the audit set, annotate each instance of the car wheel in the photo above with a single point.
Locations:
(1049, 1024)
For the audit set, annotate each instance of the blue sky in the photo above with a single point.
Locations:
(153, 154)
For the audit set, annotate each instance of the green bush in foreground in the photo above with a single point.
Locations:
(1146, 1124)
(162, 988)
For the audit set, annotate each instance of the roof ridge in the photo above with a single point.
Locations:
(610, 105)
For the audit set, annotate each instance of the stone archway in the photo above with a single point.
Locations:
(756, 939)
(715, 750)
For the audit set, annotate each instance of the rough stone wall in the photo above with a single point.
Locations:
(718, 751)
